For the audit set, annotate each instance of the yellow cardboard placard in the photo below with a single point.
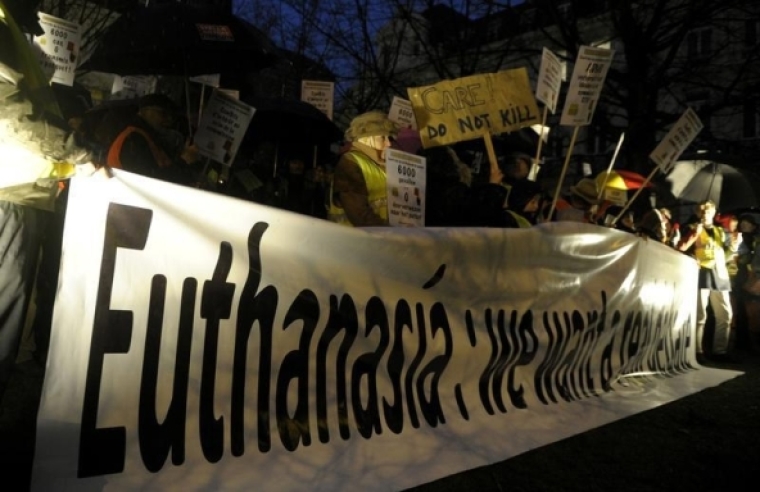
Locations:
(470, 107)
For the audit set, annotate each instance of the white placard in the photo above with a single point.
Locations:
(675, 142)
(233, 93)
(319, 94)
(586, 84)
(549, 80)
(401, 113)
(59, 48)
(222, 128)
(134, 86)
(406, 188)
(210, 79)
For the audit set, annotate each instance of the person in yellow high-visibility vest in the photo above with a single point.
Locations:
(358, 195)
(705, 241)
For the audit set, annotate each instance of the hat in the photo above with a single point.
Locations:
(586, 190)
(371, 124)
(158, 101)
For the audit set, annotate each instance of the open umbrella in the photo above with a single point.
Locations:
(289, 121)
(180, 39)
(292, 125)
(699, 180)
(620, 179)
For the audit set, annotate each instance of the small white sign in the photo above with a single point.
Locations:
(586, 84)
(223, 127)
(549, 80)
(233, 93)
(319, 94)
(401, 113)
(210, 79)
(675, 142)
(134, 86)
(406, 188)
(58, 48)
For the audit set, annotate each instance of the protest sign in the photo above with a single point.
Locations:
(319, 94)
(223, 127)
(549, 80)
(406, 188)
(201, 342)
(59, 48)
(133, 86)
(211, 79)
(589, 73)
(402, 113)
(472, 107)
(677, 139)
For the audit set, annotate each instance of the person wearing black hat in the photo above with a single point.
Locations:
(150, 146)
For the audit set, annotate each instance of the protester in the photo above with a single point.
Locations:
(705, 241)
(358, 192)
(30, 137)
(526, 200)
(151, 146)
(626, 221)
(516, 167)
(447, 188)
(580, 204)
(746, 303)
(655, 224)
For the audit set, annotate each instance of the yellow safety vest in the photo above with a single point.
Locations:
(704, 249)
(375, 179)
(521, 221)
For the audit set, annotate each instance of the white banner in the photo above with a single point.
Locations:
(589, 73)
(203, 343)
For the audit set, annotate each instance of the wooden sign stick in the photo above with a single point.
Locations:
(564, 171)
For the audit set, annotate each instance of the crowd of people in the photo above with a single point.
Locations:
(350, 189)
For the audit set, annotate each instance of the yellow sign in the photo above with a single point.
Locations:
(470, 107)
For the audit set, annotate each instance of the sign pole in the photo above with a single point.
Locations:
(612, 163)
(564, 171)
(536, 165)
(491, 152)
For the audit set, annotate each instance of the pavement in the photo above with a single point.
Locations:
(708, 441)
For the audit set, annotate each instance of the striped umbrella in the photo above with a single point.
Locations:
(620, 179)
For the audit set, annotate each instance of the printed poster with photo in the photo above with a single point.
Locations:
(134, 86)
(549, 80)
(406, 188)
(319, 94)
(589, 74)
(222, 128)
(401, 113)
(58, 48)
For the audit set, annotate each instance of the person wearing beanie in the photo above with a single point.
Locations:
(358, 195)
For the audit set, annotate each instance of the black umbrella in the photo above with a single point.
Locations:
(181, 39)
(289, 121)
(699, 180)
(296, 128)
